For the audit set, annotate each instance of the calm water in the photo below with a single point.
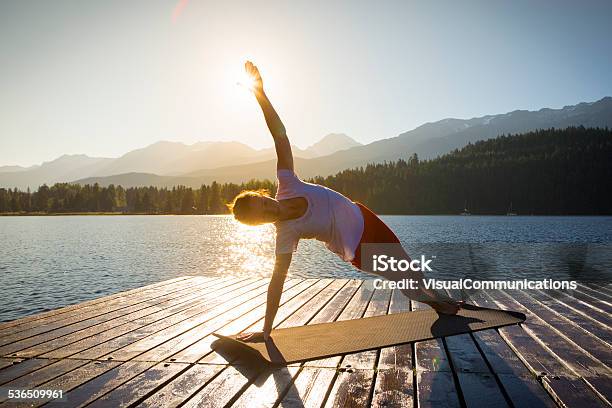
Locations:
(48, 262)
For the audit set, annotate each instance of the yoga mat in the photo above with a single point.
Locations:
(302, 343)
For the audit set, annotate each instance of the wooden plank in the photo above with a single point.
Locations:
(236, 321)
(49, 341)
(232, 380)
(600, 305)
(139, 386)
(310, 385)
(353, 386)
(591, 326)
(580, 306)
(98, 313)
(582, 340)
(59, 313)
(73, 343)
(178, 390)
(435, 384)
(7, 362)
(270, 384)
(14, 348)
(478, 384)
(519, 383)
(68, 382)
(120, 379)
(253, 320)
(586, 322)
(301, 388)
(599, 294)
(563, 384)
(101, 385)
(183, 320)
(70, 308)
(394, 385)
(70, 377)
(24, 367)
(183, 331)
(599, 286)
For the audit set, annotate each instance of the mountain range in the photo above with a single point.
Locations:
(166, 164)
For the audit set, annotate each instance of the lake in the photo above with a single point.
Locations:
(49, 262)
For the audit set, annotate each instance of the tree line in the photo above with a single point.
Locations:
(553, 171)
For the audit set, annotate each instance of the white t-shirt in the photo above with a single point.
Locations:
(330, 217)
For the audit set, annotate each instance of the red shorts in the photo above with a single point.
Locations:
(375, 231)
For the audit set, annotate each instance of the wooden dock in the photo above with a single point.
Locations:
(151, 347)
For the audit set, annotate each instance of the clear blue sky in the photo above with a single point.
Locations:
(106, 77)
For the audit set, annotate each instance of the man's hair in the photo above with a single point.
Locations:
(239, 206)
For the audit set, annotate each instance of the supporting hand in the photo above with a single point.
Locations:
(254, 336)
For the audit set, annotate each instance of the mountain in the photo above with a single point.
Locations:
(235, 162)
(428, 141)
(331, 143)
(15, 169)
(162, 158)
(64, 168)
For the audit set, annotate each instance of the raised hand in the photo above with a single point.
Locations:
(253, 73)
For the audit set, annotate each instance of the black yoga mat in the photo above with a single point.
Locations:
(316, 341)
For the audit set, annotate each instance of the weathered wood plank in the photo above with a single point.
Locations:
(270, 385)
(599, 286)
(310, 386)
(131, 344)
(596, 293)
(520, 385)
(13, 349)
(49, 342)
(100, 313)
(354, 385)
(127, 390)
(72, 380)
(42, 375)
(254, 320)
(101, 385)
(599, 305)
(70, 308)
(563, 384)
(305, 387)
(139, 386)
(435, 384)
(24, 367)
(185, 385)
(235, 320)
(233, 380)
(394, 385)
(602, 331)
(598, 352)
(582, 307)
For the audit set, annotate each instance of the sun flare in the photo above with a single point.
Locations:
(247, 81)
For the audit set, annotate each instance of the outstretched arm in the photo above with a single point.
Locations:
(275, 290)
(275, 125)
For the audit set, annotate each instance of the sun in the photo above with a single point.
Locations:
(245, 80)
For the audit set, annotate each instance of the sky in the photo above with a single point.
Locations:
(106, 77)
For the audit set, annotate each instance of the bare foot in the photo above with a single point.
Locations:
(446, 307)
